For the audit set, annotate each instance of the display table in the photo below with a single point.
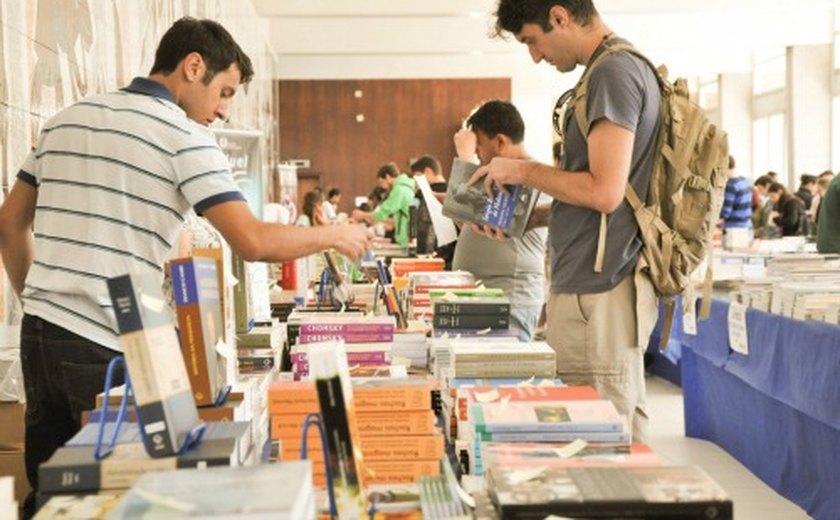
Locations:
(777, 409)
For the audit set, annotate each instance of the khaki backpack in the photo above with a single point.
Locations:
(685, 192)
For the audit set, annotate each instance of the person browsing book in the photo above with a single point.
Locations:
(598, 323)
(515, 265)
(400, 188)
(106, 190)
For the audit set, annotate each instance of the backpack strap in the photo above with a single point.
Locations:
(580, 114)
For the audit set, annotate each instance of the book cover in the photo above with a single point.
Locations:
(399, 471)
(242, 306)
(328, 366)
(550, 455)
(376, 424)
(468, 203)
(622, 492)
(548, 416)
(293, 397)
(381, 395)
(224, 492)
(196, 290)
(162, 392)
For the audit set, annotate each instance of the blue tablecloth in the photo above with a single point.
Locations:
(777, 410)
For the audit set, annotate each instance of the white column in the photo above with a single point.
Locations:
(809, 69)
(736, 120)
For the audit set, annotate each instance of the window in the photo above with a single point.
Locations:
(835, 134)
(708, 93)
(769, 70)
(769, 146)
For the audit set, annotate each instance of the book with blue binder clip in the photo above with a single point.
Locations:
(166, 408)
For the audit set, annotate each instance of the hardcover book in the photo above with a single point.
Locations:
(162, 393)
(464, 202)
(470, 306)
(468, 321)
(195, 285)
(644, 492)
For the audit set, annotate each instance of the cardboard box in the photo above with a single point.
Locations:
(11, 423)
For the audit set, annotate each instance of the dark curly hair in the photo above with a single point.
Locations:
(511, 15)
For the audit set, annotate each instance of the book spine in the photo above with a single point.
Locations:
(378, 424)
(347, 328)
(348, 337)
(369, 399)
(190, 334)
(472, 309)
(241, 296)
(425, 447)
(400, 472)
(470, 322)
(354, 358)
(291, 401)
(92, 475)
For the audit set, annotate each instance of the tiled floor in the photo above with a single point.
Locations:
(752, 498)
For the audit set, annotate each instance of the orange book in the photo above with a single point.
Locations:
(375, 424)
(403, 447)
(292, 397)
(399, 471)
(390, 396)
(280, 430)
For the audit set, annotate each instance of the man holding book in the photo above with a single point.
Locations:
(113, 177)
(598, 321)
(515, 265)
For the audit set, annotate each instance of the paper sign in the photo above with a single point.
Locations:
(487, 397)
(690, 318)
(571, 449)
(444, 227)
(520, 476)
(738, 340)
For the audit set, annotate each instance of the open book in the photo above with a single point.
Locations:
(469, 203)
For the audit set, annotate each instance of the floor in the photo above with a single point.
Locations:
(752, 498)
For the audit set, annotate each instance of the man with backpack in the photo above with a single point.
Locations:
(605, 265)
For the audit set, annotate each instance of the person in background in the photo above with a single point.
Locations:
(599, 322)
(762, 207)
(774, 177)
(736, 211)
(828, 225)
(788, 211)
(515, 265)
(106, 190)
(822, 186)
(400, 188)
(430, 168)
(312, 213)
(807, 188)
(331, 204)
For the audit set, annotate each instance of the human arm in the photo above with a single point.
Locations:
(539, 217)
(601, 188)
(256, 240)
(16, 243)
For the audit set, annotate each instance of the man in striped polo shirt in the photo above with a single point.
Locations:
(105, 191)
(736, 211)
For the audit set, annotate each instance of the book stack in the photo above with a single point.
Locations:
(480, 359)
(614, 492)
(301, 314)
(411, 345)
(368, 339)
(73, 468)
(281, 491)
(234, 408)
(440, 352)
(403, 266)
(289, 403)
(258, 350)
(541, 421)
(421, 284)
(396, 424)
(470, 309)
(513, 456)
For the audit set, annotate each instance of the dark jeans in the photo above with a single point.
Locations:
(62, 374)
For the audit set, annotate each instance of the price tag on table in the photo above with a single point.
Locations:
(738, 340)
(690, 318)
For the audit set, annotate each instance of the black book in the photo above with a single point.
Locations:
(467, 321)
(618, 492)
(473, 306)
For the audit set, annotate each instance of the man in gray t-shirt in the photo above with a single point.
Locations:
(515, 265)
(598, 322)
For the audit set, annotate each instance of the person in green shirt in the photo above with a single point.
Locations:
(396, 205)
(828, 224)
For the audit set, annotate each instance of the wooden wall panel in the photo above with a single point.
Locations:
(403, 119)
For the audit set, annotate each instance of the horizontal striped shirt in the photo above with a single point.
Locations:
(736, 211)
(115, 175)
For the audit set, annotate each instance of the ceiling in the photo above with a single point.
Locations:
(329, 39)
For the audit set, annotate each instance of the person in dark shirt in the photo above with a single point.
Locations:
(807, 187)
(429, 167)
(788, 211)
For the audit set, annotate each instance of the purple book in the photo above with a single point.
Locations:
(346, 328)
(348, 337)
